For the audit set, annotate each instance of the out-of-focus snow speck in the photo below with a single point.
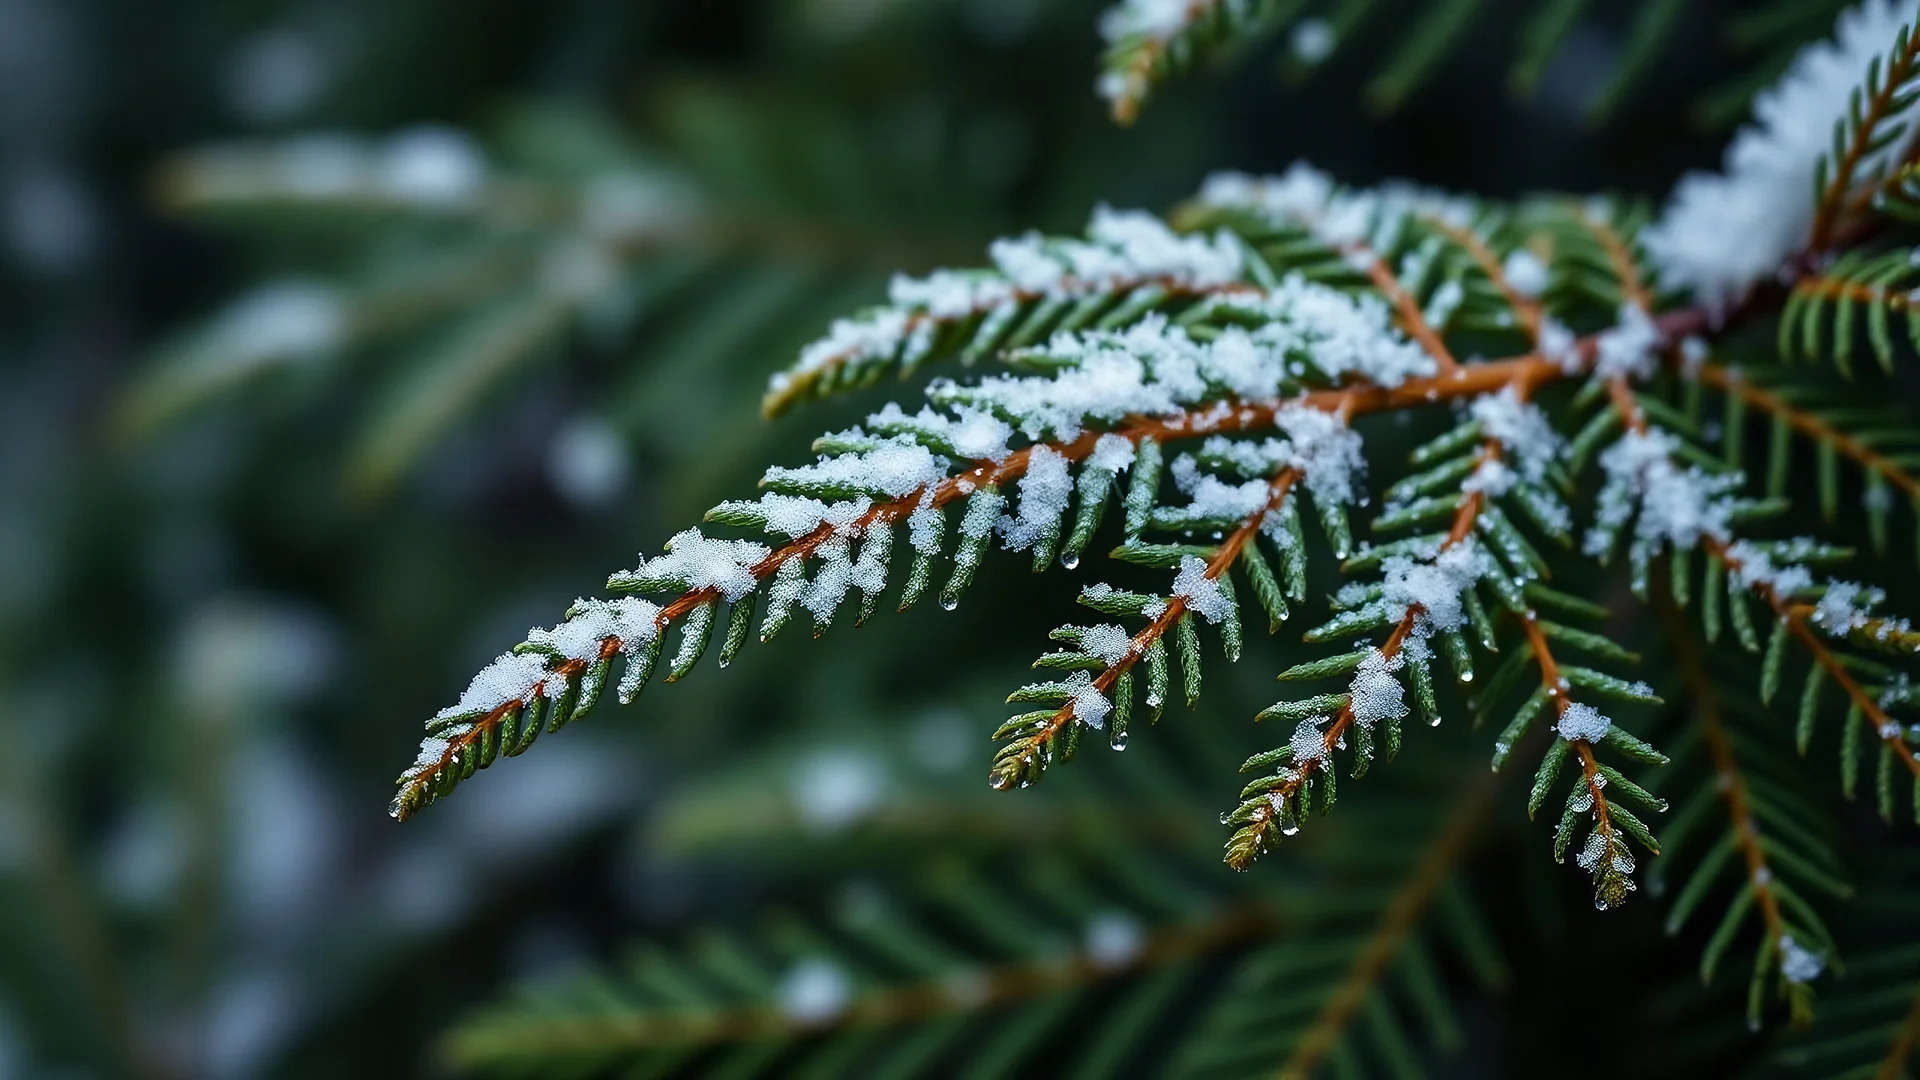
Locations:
(50, 222)
(941, 740)
(834, 787)
(1312, 41)
(1114, 939)
(252, 1016)
(141, 860)
(433, 165)
(587, 462)
(281, 322)
(242, 652)
(276, 74)
(286, 843)
(814, 990)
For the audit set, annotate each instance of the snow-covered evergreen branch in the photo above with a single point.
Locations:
(1213, 377)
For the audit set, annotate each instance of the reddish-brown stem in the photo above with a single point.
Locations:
(1834, 289)
(1463, 522)
(1527, 308)
(906, 1004)
(1900, 1054)
(1833, 197)
(1632, 290)
(1562, 701)
(1225, 417)
(1218, 565)
(1795, 616)
(1733, 789)
(1412, 319)
(1176, 606)
(1126, 108)
(1812, 427)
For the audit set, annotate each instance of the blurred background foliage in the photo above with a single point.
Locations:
(344, 339)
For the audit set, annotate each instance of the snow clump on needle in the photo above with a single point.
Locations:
(1722, 232)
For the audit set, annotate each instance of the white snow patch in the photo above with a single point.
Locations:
(1375, 693)
(1090, 706)
(1525, 273)
(511, 677)
(814, 991)
(1114, 939)
(1583, 722)
(1722, 232)
(835, 787)
(1798, 964)
(1045, 491)
(1202, 593)
(1107, 641)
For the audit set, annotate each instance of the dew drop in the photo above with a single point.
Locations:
(1070, 560)
(725, 660)
(1466, 676)
(1118, 741)
(949, 602)
(1290, 830)
(1435, 722)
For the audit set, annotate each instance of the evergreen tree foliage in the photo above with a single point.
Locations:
(1186, 395)
(1468, 634)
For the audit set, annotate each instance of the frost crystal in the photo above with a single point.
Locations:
(1521, 431)
(892, 470)
(1308, 742)
(1090, 706)
(1324, 449)
(1435, 587)
(1626, 351)
(591, 622)
(1491, 477)
(511, 677)
(1111, 452)
(702, 562)
(1044, 493)
(794, 516)
(1799, 964)
(1558, 345)
(1123, 249)
(1753, 568)
(1202, 593)
(1677, 506)
(1721, 233)
(925, 525)
(1583, 722)
(1376, 693)
(1845, 607)
(1306, 198)
(1107, 641)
